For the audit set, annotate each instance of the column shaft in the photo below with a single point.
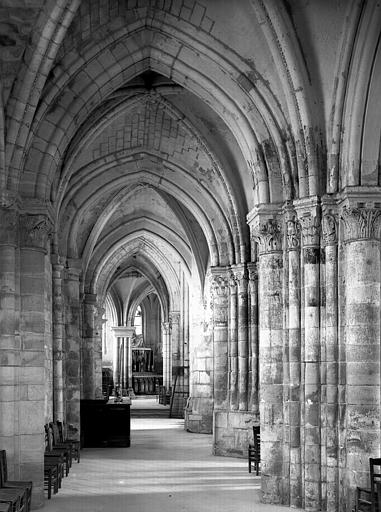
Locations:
(266, 232)
(167, 362)
(271, 375)
(293, 356)
(58, 341)
(220, 338)
(362, 234)
(73, 349)
(253, 339)
(240, 272)
(233, 346)
(35, 406)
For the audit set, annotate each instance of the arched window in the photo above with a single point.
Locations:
(138, 321)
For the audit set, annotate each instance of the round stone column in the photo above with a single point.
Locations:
(266, 232)
(233, 344)
(97, 350)
(73, 272)
(293, 355)
(330, 364)
(87, 348)
(309, 216)
(58, 340)
(220, 337)
(123, 358)
(36, 349)
(167, 360)
(253, 339)
(362, 340)
(241, 276)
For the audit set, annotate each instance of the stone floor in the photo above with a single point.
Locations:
(165, 469)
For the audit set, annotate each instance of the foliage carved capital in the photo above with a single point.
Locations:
(268, 235)
(241, 276)
(309, 216)
(361, 223)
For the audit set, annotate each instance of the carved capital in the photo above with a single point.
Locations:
(329, 229)
(241, 277)
(268, 235)
(219, 281)
(58, 355)
(361, 223)
(292, 229)
(309, 216)
(174, 317)
(166, 328)
(252, 269)
(35, 231)
(232, 283)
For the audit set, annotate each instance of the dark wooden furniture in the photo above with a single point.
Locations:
(12, 484)
(254, 450)
(104, 423)
(52, 478)
(61, 452)
(16, 498)
(74, 443)
(5, 507)
(367, 499)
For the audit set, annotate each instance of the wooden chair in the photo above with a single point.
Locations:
(5, 507)
(12, 484)
(52, 478)
(58, 444)
(15, 498)
(59, 452)
(54, 467)
(254, 451)
(367, 499)
(74, 443)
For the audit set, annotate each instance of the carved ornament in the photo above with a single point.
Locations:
(361, 223)
(241, 277)
(293, 230)
(253, 277)
(311, 226)
(35, 231)
(174, 317)
(329, 229)
(219, 282)
(58, 355)
(268, 235)
(166, 327)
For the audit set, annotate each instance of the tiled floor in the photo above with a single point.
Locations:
(165, 470)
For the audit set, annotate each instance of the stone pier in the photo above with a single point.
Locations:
(361, 218)
(266, 231)
(73, 347)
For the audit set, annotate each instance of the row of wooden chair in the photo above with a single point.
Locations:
(254, 450)
(15, 495)
(59, 454)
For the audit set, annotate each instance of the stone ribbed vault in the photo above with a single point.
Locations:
(216, 164)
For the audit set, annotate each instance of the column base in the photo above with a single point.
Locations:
(198, 416)
(233, 432)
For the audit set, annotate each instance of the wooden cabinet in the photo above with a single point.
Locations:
(104, 424)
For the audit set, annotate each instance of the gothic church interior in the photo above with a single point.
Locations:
(198, 181)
